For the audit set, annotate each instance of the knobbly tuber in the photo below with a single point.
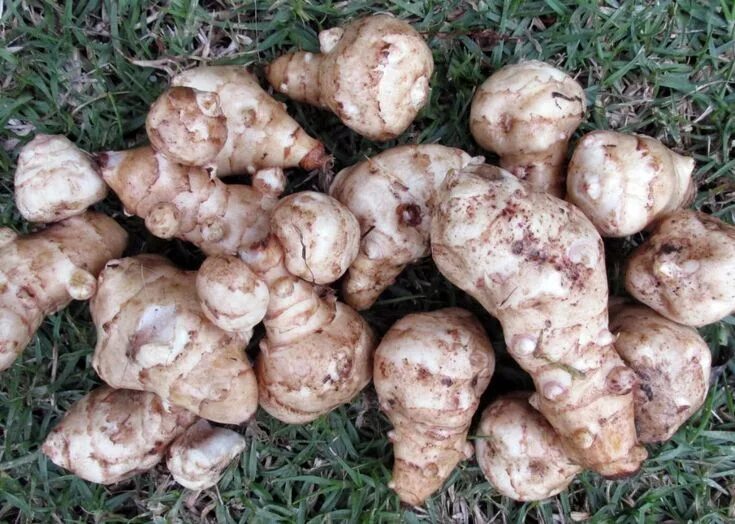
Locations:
(198, 458)
(373, 74)
(392, 195)
(536, 263)
(623, 183)
(186, 203)
(685, 269)
(526, 113)
(520, 453)
(113, 434)
(430, 370)
(260, 134)
(55, 180)
(673, 366)
(152, 335)
(42, 272)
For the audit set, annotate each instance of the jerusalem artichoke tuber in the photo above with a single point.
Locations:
(430, 370)
(373, 74)
(536, 263)
(623, 183)
(42, 272)
(526, 113)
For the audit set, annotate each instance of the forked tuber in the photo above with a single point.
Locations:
(113, 434)
(520, 453)
(392, 195)
(623, 183)
(42, 272)
(198, 458)
(152, 335)
(55, 180)
(373, 74)
(673, 366)
(430, 370)
(526, 113)
(536, 263)
(685, 269)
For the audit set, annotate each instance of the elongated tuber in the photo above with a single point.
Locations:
(186, 203)
(260, 134)
(430, 370)
(673, 366)
(536, 263)
(526, 113)
(623, 183)
(373, 74)
(684, 270)
(392, 195)
(198, 458)
(152, 335)
(113, 434)
(55, 180)
(43, 272)
(520, 453)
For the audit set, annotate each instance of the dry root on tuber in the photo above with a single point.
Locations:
(623, 183)
(520, 453)
(113, 434)
(373, 74)
(392, 195)
(536, 263)
(55, 180)
(526, 113)
(685, 270)
(198, 458)
(152, 335)
(42, 272)
(673, 366)
(430, 370)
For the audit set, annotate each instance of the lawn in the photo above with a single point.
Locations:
(89, 70)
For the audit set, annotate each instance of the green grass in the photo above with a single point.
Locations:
(90, 70)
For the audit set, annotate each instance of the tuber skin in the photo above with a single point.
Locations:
(392, 195)
(185, 202)
(152, 335)
(685, 269)
(43, 272)
(373, 74)
(260, 134)
(673, 367)
(430, 371)
(317, 352)
(526, 113)
(198, 458)
(536, 263)
(55, 180)
(623, 183)
(113, 434)
(520, 453)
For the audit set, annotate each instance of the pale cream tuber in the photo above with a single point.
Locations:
(113, 434)
(198, 458)
(430, 371)
(55, 180)
(392, 195)
(673, 366)
(372, 73)
(536, 263)
(685, 269)
(42, 272)
(623, 183)
(520, 453)
(152, 335)
(526, 113)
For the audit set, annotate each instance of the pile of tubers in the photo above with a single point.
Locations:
(171, 343)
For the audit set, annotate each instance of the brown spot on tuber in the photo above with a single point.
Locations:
(409, 214)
